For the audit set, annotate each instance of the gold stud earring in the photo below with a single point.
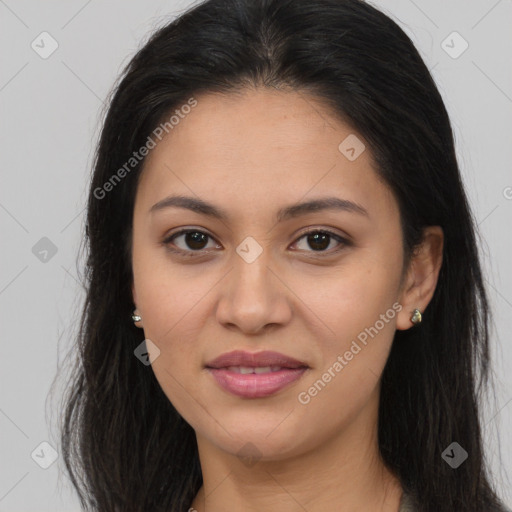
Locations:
(416, 317)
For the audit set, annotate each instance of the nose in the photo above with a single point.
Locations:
(254, 297)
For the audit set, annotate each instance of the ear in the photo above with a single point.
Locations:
(136, 311)
(422, 274)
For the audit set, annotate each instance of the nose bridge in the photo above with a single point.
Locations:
(251, 277)
(253, 296)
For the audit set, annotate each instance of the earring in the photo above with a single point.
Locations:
(416, 317)
(136, 318)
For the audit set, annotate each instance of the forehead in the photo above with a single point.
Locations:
(238, 126)
(258, 147)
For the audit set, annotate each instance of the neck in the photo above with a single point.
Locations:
(345, 473)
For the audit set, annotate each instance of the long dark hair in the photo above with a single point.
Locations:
(125, 446)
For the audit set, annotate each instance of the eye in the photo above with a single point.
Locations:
(319, 240)
(193, 240)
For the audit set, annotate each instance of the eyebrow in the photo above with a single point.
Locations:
(295, 210)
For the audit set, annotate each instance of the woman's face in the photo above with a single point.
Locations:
(253, 280)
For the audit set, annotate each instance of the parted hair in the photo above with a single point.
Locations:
(125, 446)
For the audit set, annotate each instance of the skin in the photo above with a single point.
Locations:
(250, 154)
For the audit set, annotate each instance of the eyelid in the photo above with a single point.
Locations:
(167, 240)
(343, 241)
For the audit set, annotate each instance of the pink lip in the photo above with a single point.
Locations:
(256, 359)
(255, 385)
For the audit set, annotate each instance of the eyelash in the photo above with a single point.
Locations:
(191, 253)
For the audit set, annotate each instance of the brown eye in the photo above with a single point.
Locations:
(320, 240)
(190, 240)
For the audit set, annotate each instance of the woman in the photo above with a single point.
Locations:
(285, 305)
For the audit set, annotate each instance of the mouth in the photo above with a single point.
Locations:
(265, 359)
(254, 369)
(255, 375)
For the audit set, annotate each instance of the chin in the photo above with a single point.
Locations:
(266, 441)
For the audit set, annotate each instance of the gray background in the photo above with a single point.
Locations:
(50, 112)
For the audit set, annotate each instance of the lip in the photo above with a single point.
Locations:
(255, 359)
(255, 385)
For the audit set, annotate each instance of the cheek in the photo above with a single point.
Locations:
(357, 307)
(170, 302)
(353, 358)
(351, 297)
(173, 318)
(168, 293)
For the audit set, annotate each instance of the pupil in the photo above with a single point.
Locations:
(193, 239)
(317, 241)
